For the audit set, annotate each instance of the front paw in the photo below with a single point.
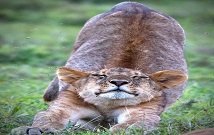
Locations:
(118, 128)
(20, 130)
(34, 131)
(127, 129)
(26, 130)
(38, 131)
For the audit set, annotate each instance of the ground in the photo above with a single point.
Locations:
(36, 37)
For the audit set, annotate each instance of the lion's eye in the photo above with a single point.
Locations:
(139, 77)
(102, 76)
(136, 77)
(99, 76)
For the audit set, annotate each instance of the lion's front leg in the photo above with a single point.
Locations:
(138, 121)
(68, 107)
(145, 116)
(55, 118)
(50, 121)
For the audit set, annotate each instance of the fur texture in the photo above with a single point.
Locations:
(115, 98)
(131, 36)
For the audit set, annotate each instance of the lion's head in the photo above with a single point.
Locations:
(120, 86)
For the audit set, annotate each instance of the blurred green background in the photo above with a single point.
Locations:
(36, 37)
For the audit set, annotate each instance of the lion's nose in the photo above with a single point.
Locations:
(119, 82)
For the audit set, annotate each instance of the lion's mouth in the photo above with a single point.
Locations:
(116, 90)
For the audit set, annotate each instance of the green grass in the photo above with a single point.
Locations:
(36, 37)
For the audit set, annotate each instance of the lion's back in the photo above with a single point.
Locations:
(131, 35)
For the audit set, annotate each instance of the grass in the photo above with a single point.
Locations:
(36, 37)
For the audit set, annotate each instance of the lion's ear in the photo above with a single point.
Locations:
(168, 78)
(69, 75)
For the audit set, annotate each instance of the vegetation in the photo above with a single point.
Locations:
(36, 37)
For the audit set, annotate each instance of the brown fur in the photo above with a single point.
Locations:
(131, 36)
(137, 100)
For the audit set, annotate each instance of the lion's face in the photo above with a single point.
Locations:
(120, 84)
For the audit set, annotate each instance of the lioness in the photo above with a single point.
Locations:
(126, 67)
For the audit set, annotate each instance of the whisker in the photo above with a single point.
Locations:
(92, 120)
(128, 111)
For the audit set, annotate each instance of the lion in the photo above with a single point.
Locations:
(127, 66)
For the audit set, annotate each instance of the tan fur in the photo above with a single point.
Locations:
(132, 46)
(130, 35)
(132, 99)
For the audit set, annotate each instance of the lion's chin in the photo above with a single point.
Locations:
(116, 95)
